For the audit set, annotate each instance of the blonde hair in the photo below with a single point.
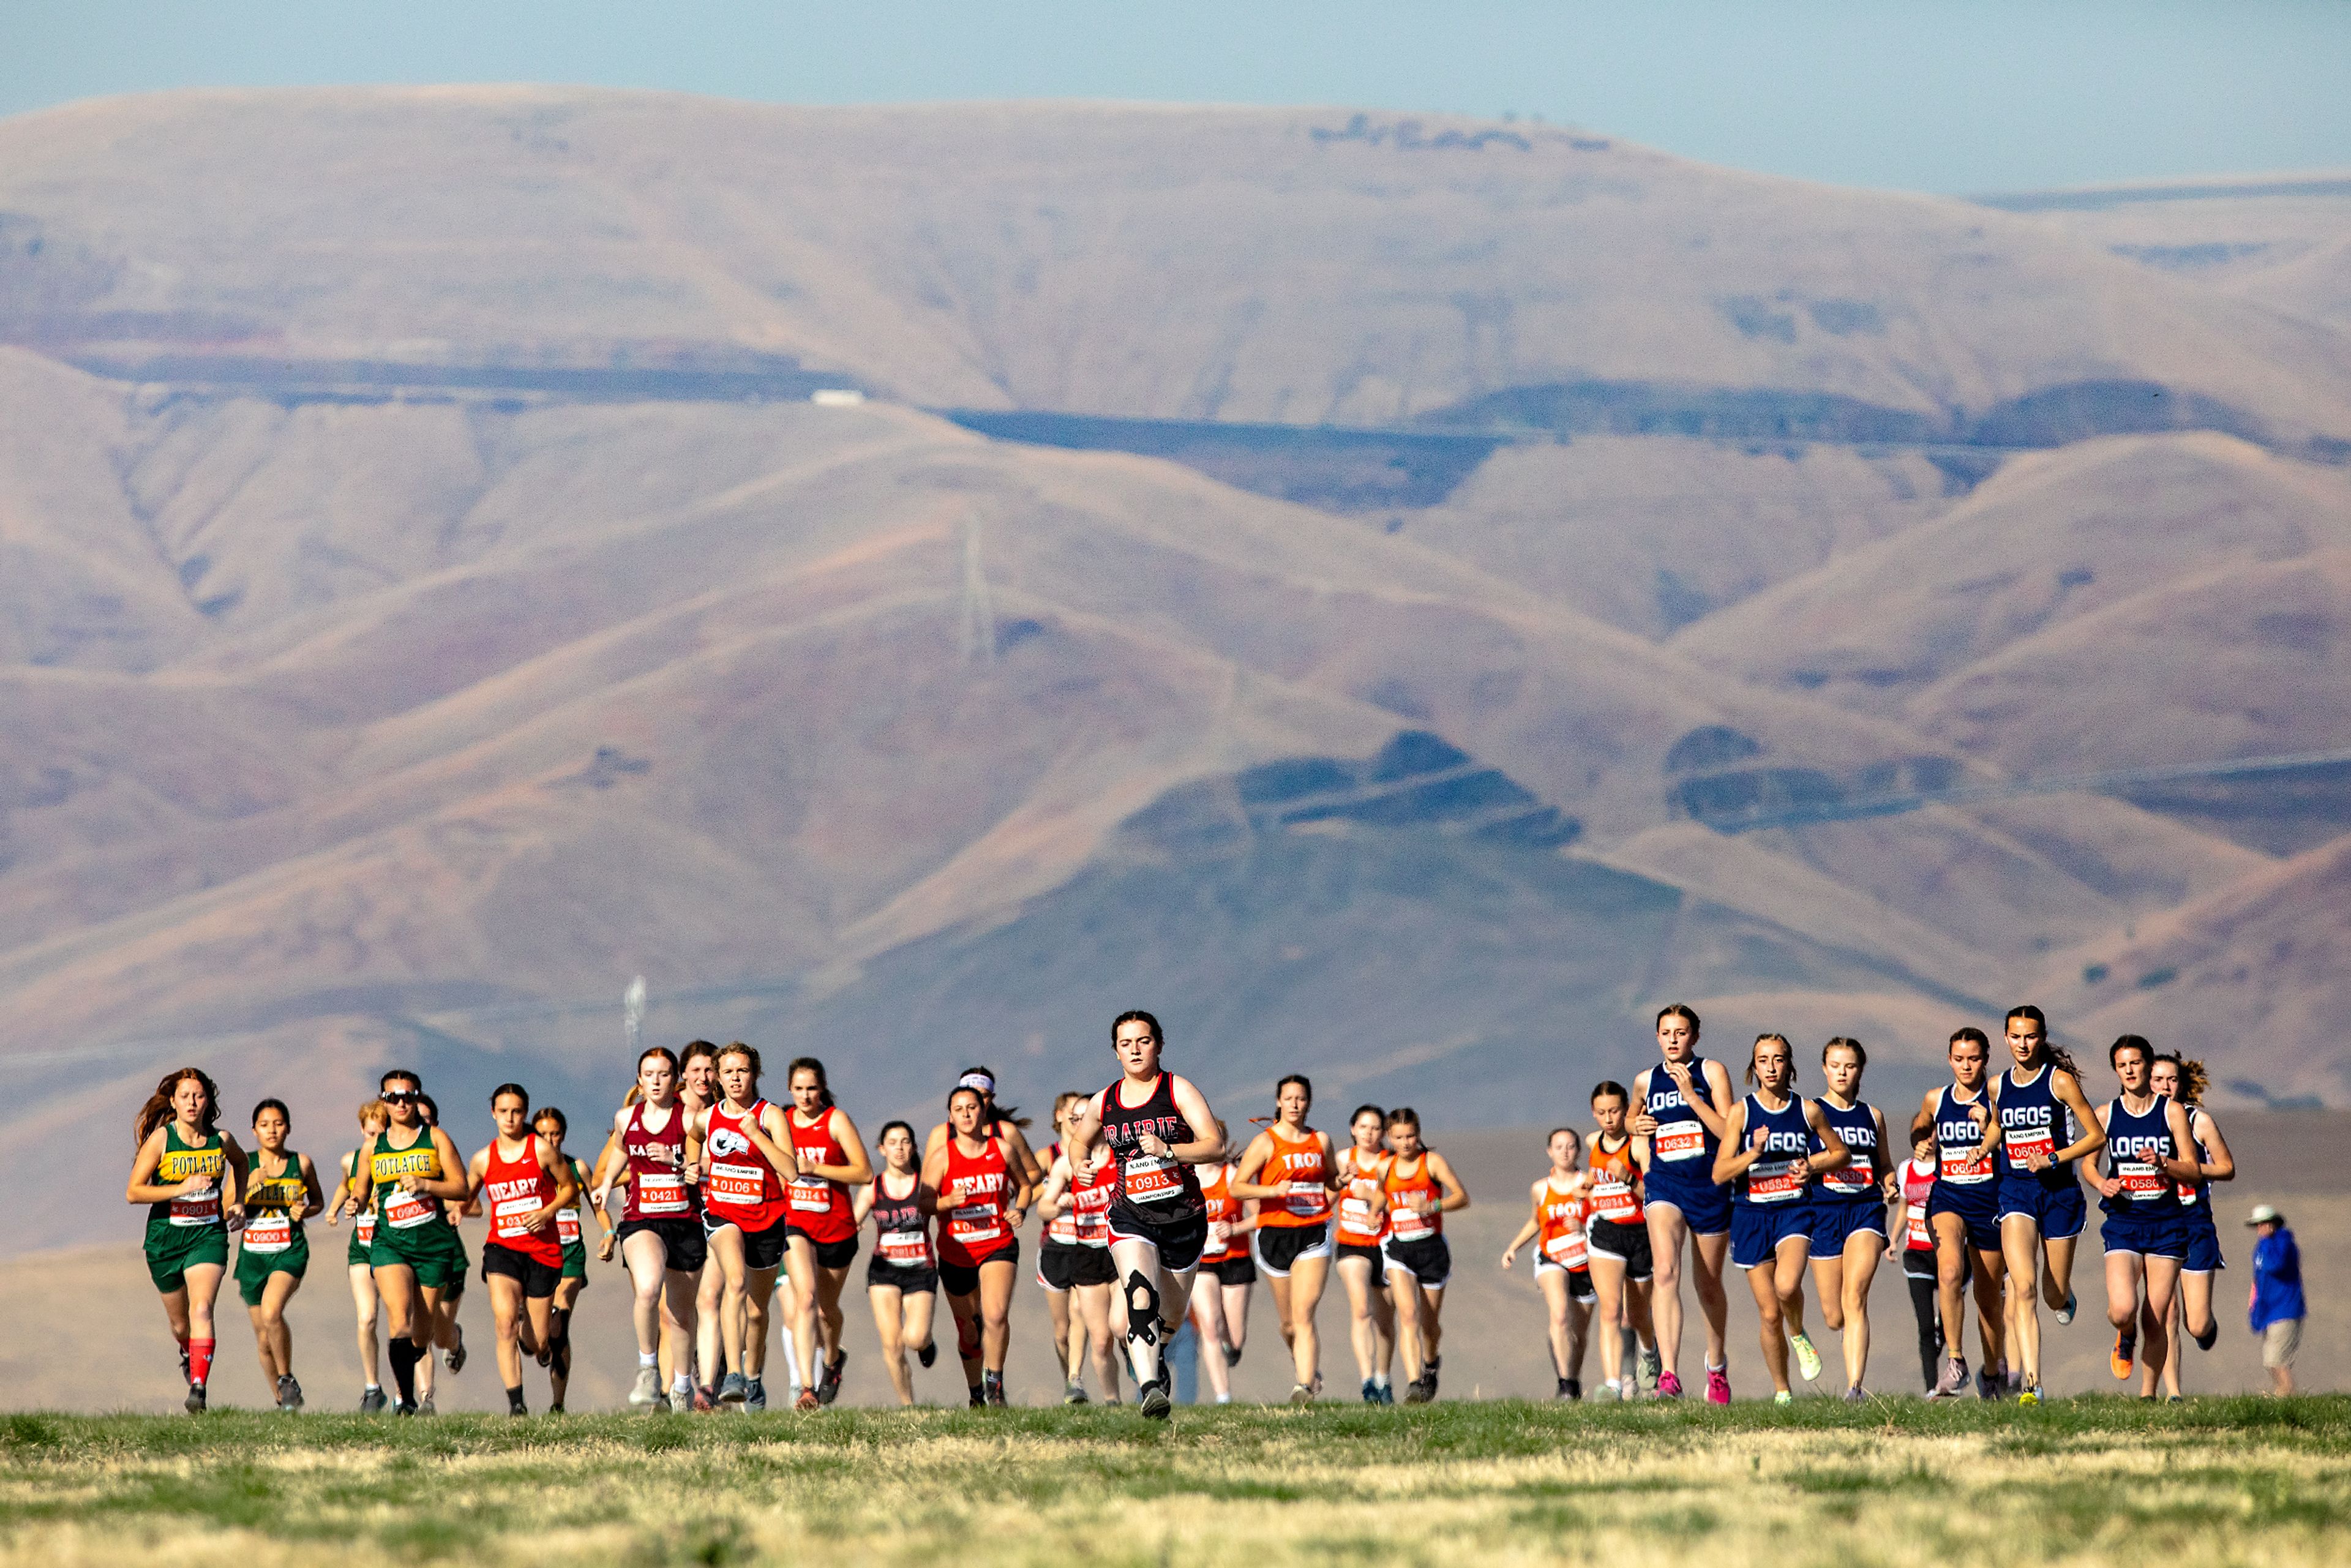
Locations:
(1783, 1046)
(374, 1109)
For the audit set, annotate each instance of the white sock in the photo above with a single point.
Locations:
(648, 1358)
(1379, 1380)
(372, 1388)
(681, 1383)
(1223, 1398)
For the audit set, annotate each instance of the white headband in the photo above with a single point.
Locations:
(980, 1081)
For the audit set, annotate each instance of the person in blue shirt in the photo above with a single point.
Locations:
(2277, 1306)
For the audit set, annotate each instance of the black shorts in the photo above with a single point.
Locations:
(762, 1249)
(1371, 1255)
(963, 1279)
(1629, 1244)
(1179, 1241)
(681, 1236)
(916, 1280)
(1062, 1267)
(538, 1280)
(1427, 1259)
(1241, 1268)
(837, 1254)
(1279, 1247)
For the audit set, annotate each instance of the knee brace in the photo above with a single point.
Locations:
(1142, 1308)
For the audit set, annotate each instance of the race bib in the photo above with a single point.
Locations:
(567, 1227)
(1151, 1178)
(1410, 1224)
(1613, 1201)
(907, 1249)
(1308, 1199)
(743, 1186)
(2142, 1182)
(2188, 1194)
(1675, 1141)
(977, 1223)
(269, 1233)
(2021, 1142)
(811, 1195)
(1776, 1181)
(407, 1210)
(367, 1226)
(661, 1192)
(197, 1208)
(1967, 1169)
(1220, 1236)
(1916, 1231)
(507, 1217)
(1847, 1181)
(1566, 1250)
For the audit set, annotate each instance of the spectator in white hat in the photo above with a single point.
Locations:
(2277, 1306)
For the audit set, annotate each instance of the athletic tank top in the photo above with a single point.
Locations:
(1224, 1211)
(1777, 1176)
(972, 1195)
(274, 1204)
(743, 1190)
(363, 1223)
(1407, 1224)
(1859, 1179)
(1681, 1149)
(1918, 1187)
(182, 1160)
(2031, 1120)
(2195, 1196)
(397, 1210)
(902, 1231)
(656, 1166)
(1298, 1166)
(2134, 1143)
(1558, 1221)
(1091, 1202)
(1162, 1188)
(1957, 1164)
(567, 1219)
(819, 1206)
(1061, 1231)
(512, 1190)
(1616, 1183)
(1362, 1222)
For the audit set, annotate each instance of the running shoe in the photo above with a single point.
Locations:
(1668, 1385)
(1371, 1392)
(1570, 1389)
(1153, 1400)
(514, 1406)
(1856, 1394)
(2175, 1399)
(424, 1406)
(734, 1389)
(928, 1352)
(807, 1401)
(993, 1386)
(1990, 1383)
(755, 1394)
(1717, 1385)
(556, 1408)
(1954, 1379)
(195, 1400)
(2126, 1351)
(290, 1394)
(371, 1402)
(648, 1385)
(828, 1382)
(660, 1406)
(546, 1352)
(2031, 1395)
(1301, 1395)
(2066, 1312)
(1781, 1396)
(456, 1358)
(1075, 1394)
(1317, 1385)
(704, 1400)
(1387, 1393)
(978, 1398)
(1413, 1394)
(1232, 1354)
(280, 1404)
(1808, 1360)
(405, 1408)
(1653, 1366)
(2211, 1331)
(2014, 1381)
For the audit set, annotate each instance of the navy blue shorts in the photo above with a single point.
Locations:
(1835, 1218)
(1976, 1205)
(2056, 1207)
(1704, 1208)
(1758, 1229)
(2203, 1251)
(2149, 1235)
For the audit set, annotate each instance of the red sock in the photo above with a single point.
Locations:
(200, 1361)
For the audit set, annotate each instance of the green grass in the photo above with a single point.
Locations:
(1899, 1481)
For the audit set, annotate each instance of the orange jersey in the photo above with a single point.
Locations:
(1615, 1184)
(1559, 1220)
(1297, 1165)
(1405, 1223)
(1224, 1213)
(1362, 1223)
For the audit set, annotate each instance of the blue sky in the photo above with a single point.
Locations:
(1953, 96)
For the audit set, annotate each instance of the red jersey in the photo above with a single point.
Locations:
(744, 1190)
(1296, 1166)
(511, 1190)
(1918, 1187)
(1362, 1221)
(657, 1185)
(820, 1207)
(974, 1195)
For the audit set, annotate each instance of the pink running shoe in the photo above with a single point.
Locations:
(1717, 1385)
(1668, 1385)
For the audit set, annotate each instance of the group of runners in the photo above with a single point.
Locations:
(732, 1214)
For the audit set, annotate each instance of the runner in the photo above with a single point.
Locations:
(1616, 1236)
(746, 1216)
(1848, 1218)
(412, 1169)
(661, 1241)
(1914, 1186)
(902, 1278)
(448, 1334)
(281, 1191)
(1073, 1265)
(996, 1122)
(1359, 1230)
(1766, 1158)
(191, 1177)
(524, 1182)
(1220, 1299)
(555, 1353)
(352, 1194)
(1291, 1170)
(698, 1070)
(1562, 1201)
(1682, 1105)
(2183, 1081)
(1421, 1188)
(831, 1159)
(2150, 1152)
(1963, 1212)
(2041, 1208)
(1154, 1121)
(982, 1200)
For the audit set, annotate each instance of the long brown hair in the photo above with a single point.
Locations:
(2193, 1079)
(159, 1110)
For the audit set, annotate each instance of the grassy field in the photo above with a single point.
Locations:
(2084, 1481)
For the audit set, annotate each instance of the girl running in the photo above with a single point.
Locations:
(1421, 1188)
(522, 1182)
(1848, 1217)
(1159, 1127)
(1681, 1106)
(191, 1177)
(661, 1240)
(1290, 1168)
(448, 1334)
(2183, 1081)
(1073, 1266)
(281, 1192)
(555, 1353)
(1229, 1264)
(1766, 1158)
(1562, 1200)
(746, 1216)
(2040, 1207)
(352, 1196)
(1963, 1212)
(901, 1279)
(828, 1159)
(412, 1169)
(1616, 1234)
(697, 1069)
(2149, 1150)
(1914, 1186)
(996, 1122)
(982, 1200)
(1359, 1230)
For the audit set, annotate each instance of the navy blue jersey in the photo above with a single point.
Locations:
(2032, 1120)
(1681, 1149)
(1777, 1176)
(1862, 1179)
(1957, 1136)
(2135, 1143)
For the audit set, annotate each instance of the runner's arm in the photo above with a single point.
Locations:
(2068, 1088)
(1833, 1153)
(1731, 1161)
(1456, 1196)
(1252, 1164)
(144, 1188)
(315, 1199)
(1531, 1229)
(2223, 1167)
(1206, 1147)
(856, 1170)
